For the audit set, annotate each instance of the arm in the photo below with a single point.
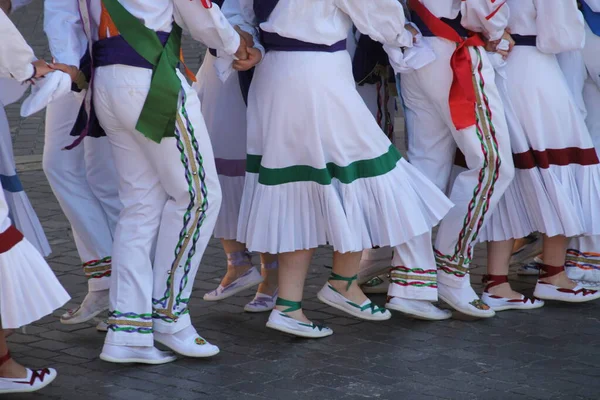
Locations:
(245, 20)
(560, 26)
(382, 20)
(489, 17)
(207, 25)
(16, 57)
(64, 29)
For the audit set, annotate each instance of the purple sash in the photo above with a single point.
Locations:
(110, 51)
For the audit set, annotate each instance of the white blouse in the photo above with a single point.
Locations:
(489, 17)
(15, 54)
(558, 24)
(328, 21)
(68, 42)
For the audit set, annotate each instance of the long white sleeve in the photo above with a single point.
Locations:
(489, 17)
(206, 25)
(232, 9)
(382, 20)
(15, 54)
(63, 27)
(560, 26)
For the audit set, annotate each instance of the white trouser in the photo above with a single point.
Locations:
(432, 142)
(84, 181)
(171, 198)
(413, 275)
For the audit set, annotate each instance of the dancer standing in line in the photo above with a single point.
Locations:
(21, 211)
(224, 110)
(453, 103)
(29, 289)
(374, 78)
(82, 178)
(324, 173)
(167, 177)
(556, 190)
(583, 255)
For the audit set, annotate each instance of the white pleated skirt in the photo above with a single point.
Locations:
(29, 290)
(556, 189)
(319, 168)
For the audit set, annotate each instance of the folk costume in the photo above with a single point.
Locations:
(583, 73)
(325, 173)
(83, 178)
(556, 187)
(21, 212)
(29, 289)
(224, 110)
(167, 177)
(450, 104)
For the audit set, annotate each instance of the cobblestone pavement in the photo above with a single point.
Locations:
(550, 353)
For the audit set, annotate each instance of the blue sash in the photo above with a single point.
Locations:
(592, 18)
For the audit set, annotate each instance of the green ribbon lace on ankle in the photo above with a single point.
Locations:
(292, 305)
(336, 277)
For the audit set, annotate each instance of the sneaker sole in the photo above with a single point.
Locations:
(352, 311)
(29, 390)
(114, 360)
(91, 316)
(564, 300)
(421, 317)
(235, 291)
(528, 307)
(205, 355)
(466, 311)
(293, 332)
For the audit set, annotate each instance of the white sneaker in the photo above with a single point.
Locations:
(135, 355)
(371, 268)
(102, 326)
(282, 322)
(377, 285)
(498, 303)
(34, 381)
(367, 310)
(579, 294)
(250, 279)
(261, 303)
(187, 343)
(464, 300)
(419, 309)
(530, 269)
(93, 304)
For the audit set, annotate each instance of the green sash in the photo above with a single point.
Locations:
(157, 119)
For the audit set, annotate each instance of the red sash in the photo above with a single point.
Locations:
(462, 92)
(9, 239)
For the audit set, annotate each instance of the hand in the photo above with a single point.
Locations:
(71, 70)
(254, 57)
(412, 30)
(245, 35)
(511, 44)
(242, 52)
(41, 69)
